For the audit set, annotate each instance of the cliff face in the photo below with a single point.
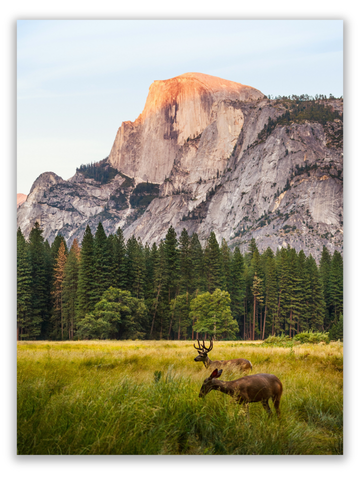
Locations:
(176, 110)
(199, 158)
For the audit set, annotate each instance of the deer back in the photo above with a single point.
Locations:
(256, 388)
(239, 363)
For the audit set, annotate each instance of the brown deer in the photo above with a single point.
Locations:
(253, 388)
(239, 363)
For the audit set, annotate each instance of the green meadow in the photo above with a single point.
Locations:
(142, 398)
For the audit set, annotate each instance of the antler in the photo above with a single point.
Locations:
(207, 350)
(199, 348)
(202, 348)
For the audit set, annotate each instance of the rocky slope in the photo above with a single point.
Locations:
(201, 156)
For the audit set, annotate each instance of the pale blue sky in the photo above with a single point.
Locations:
(78, 80)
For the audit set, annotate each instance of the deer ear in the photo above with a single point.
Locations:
(215, 373)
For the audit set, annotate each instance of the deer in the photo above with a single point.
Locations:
(239, 363)
(250, 389)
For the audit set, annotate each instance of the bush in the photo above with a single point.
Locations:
(312, 337)
(282, 341)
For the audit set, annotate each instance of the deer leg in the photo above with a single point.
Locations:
(276, 401)
(265, 404)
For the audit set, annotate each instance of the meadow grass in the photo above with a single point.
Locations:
(142, 397)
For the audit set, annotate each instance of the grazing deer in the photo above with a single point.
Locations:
(253, 388)
(239, 363)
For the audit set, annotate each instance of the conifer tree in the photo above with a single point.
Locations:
(197, 264)
(86, 283)
(317, 305)
(226, 266)
(284, 300)
(160, 288)
(119, 260)
(41, 299)
(57, 292)
(336, 286)
(172, 263)
(26, 327)
(237, 285)
(213, 264)
(270, 292)
(324, 270)
(135, 267)
(305, 287)
(58, 240)
(186, 271)
(258, 298)
(70, 286)
(103, 262)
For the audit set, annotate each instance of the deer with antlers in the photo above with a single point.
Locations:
(239, 363)
(253, 388)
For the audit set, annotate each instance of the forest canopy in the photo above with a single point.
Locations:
(117, 289)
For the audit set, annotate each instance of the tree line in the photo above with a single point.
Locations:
(178, 289)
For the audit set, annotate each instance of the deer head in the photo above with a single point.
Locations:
(202, 351)
(208, 385)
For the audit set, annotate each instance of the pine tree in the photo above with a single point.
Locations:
(197, 263)
(86, 284)
(226, 266)
(258, 298)
(58, 240)
(103, 262)
(119, 260)
(305, 287)
(271, 293)
(26, 327)
(135, 265)
(324, 270)
(70, 286)
(41, 299)
(284, 298)
(186, 271)
(336, 286)
(295, 293)
(213, 264)
(317, 305)
(160, 287)
(57, 292)
(237, 285)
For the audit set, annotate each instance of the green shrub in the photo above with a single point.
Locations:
(282, 341)
(312, 337)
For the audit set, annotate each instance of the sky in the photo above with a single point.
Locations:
(78, 80)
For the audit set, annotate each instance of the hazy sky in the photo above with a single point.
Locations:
(77, 80)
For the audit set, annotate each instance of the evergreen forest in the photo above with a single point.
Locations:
(110, 288)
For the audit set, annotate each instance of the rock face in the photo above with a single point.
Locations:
(176, 110)
(199, 158)
(20, 199)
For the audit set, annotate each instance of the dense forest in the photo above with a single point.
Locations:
(179, 289)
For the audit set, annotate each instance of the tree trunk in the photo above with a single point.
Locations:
(157, 301)
(290, 325)
(263, 334)
(253, 329)
(244, 319)
(172, 317)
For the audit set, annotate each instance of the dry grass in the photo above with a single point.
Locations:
(102, 397)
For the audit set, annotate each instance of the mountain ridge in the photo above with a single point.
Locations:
(269, 169)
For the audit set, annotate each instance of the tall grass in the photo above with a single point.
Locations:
(142, 397)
